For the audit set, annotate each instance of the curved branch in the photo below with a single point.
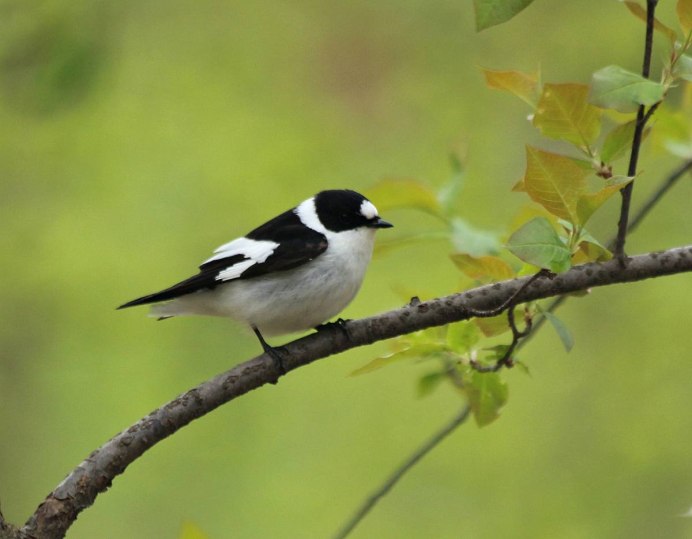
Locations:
(95, 474)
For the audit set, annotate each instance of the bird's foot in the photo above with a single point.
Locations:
(272, 352)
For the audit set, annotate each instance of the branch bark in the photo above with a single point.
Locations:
(95, 474)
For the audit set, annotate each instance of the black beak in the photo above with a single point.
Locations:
(380, 223)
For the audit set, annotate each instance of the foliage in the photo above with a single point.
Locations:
(576, 115)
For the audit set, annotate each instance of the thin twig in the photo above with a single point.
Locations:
(392, 480)
(506, 360)
(642, 118)
(511, 301)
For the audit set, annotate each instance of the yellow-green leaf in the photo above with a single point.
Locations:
(684, 9)
(591, 252)
(423, 343)
(391, 193)
(554, 181)
(483, 267)
(462, 336)
(487, 394)
(588, 203)
(522, 85)
(564, 113)
(639, 12)
(617, 141)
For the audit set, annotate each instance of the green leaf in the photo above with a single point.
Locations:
(617, 141)
(554, 181)
(462, 336)
(378, 363)
(564, 113)
(537, 243)
(429, 383)
(684, 10)
(492, 12)
(390, 194)
(588, 203)
(683, 67)
(522, 85)
(561, 329)
(474, 241)
(639, 12)
(487, 394)
(480, 268)
(419, 344)
(614, 87)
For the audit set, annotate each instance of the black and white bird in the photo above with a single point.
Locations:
(291, 274)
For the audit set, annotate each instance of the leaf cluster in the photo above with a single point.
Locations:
(595, 124)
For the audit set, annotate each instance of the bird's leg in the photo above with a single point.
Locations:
(340, 324)
(271, 351)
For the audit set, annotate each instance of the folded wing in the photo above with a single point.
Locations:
(246, 258)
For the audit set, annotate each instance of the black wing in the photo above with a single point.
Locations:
(295, 245)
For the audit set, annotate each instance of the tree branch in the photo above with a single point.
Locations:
(7, 530)
(642, 119)
(95, 474)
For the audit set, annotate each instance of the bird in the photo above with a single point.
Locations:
(291, 274)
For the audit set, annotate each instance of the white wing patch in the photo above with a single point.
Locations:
(255, 251)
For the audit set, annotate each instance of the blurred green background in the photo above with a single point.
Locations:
(135, 137)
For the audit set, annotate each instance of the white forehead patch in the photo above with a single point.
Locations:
(368, 210)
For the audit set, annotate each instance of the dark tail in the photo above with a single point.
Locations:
(204, 279)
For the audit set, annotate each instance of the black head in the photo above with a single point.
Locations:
(343, 209)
